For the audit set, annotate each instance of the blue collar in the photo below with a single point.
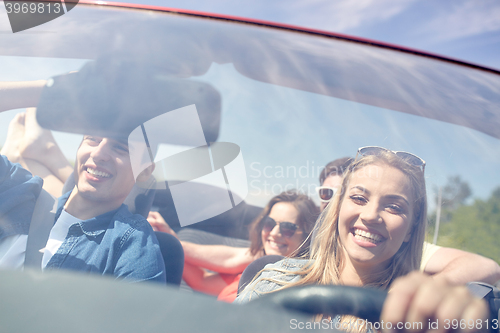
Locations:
(93, 226)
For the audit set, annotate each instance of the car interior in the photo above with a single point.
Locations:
(233, 113)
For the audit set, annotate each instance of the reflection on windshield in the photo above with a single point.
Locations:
(289, 146)
(204, 179)
(290, 102)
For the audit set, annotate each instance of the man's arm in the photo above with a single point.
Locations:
(459, 267)
(51, 183)
(139, 257)
(36, 150)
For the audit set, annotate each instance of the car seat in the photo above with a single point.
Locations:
(173, 257)
(255, 267)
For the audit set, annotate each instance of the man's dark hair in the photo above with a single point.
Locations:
(336, 167)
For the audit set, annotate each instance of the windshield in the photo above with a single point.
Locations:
(234, 114)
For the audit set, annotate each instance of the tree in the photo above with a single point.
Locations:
(453, 195)
(475, 228)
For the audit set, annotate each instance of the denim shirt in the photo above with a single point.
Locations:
(115, 243)
(18, 193)
(281, 271)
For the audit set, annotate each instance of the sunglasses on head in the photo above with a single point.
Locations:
(287, 229)
(325, 193)
(407, 157)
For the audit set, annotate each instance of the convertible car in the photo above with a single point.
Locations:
(234, 111)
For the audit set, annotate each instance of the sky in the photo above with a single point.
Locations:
(463, 29)
(468, 30)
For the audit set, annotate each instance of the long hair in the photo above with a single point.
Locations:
(326, 250)
(308, 213)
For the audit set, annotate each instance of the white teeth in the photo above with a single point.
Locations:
(365, 235)
(275, 244)
(98, 173)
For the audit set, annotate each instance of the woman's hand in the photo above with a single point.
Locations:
(158, 223)
(423, 304)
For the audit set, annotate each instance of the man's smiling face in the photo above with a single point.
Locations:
(103, 173)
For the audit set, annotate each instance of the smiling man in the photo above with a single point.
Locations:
(93, 231)
(102, 235)
(103, 177)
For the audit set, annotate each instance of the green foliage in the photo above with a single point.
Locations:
(453, 195)
(474, 228)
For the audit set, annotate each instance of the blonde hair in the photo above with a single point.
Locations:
(326, 249)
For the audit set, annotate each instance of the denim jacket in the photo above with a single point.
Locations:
(115, 243)
(18, 193)
(281, 271)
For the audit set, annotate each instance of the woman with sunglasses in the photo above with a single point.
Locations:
(281, 229)
(284, 225)
(371, 234)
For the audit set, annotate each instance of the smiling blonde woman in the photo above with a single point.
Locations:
(371, 234)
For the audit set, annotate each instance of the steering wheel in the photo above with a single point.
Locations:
(329, 300)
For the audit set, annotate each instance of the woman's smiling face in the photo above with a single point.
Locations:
(274, 242)
(375, 216)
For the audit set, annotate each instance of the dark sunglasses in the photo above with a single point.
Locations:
(287, 229)
(325, 193)
(407, 157)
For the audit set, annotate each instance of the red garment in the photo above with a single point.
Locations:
(229, 293)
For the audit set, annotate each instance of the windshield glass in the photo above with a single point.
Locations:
(258, 111)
